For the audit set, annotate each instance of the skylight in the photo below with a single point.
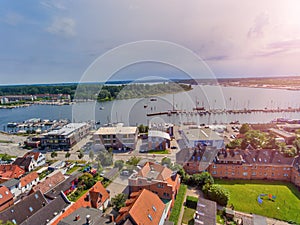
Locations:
(154, 209)
(150, 217)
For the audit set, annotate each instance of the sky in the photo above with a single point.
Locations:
(53, 41)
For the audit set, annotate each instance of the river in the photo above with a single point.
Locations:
(134, 111)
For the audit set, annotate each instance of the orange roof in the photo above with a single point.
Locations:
(28, 178)
(81, 202)
(11, 171)
(98, 188)
(163, 173)
(5, 195)
(146, 209)
(49, 182)
(34, 154)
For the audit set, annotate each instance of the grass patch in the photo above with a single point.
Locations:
(178, 204)
(73, 169)
(6, 156)
(188, 216)
(5, 142)
(159, 152)
(244, 193)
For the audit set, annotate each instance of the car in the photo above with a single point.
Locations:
(125, 173)
(233, 136)
(173, 147)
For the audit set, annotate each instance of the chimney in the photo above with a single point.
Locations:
(77, 217)
(88, 219)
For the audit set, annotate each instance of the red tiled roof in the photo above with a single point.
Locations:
(5, 195)
(49, 183)
(82, 202)
(28, 178)
(11, 171)
(163, 172)
(34, 154)
(146, 209)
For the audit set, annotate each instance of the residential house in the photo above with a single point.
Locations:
(6, 198)
(14, 186)
(86, 201)
(87, 216)
(156, 178)
(117, 137)
(26, 163)
(9, 171)
(25, 208)
(206, 212)
(28, 181)
(48, 183)
(38, 157)
(143, 207)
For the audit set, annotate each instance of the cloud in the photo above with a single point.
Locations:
(63, 27)
(13, 18)
(53, 5)
(260, 23)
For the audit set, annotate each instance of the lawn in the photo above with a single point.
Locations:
(188, 216)
(159, 152)
(244, 193)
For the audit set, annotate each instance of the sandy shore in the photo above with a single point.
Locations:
(12, 148)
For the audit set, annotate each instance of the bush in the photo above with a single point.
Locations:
(216, 193)
(178, 204)
(191, 202)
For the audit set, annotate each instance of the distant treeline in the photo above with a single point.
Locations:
(98, 92)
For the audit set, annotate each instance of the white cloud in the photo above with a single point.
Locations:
(53, 4)
(63, 27)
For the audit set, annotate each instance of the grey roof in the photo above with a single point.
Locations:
(47, 213)
(10, 183)
(67, 129)
(206, 211)
(24, 209)
(96, 216)
(23, 162)
(195, 134)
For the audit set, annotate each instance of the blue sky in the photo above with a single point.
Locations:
(56, 41)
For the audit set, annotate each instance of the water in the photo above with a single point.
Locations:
(133, 111)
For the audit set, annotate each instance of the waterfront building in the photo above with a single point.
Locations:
(66, 137)
(158, 140)
(118, 137)
(288, 137)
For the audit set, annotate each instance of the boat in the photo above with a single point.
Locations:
(101, 107)
(12, 124)
(153, 99)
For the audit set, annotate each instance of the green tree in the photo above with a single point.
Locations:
(53, 154)
(133, 161)
(67, 155)
(216, 193)
(255, 138)
(119, 164)
(166, 161)
(235, 143)
(80, 155)
(244, 128)
(118, 201)
(105, 158)
(203, 179)
(91, 155)
(6, 223)
(6, 157)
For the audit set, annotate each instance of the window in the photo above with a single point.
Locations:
(214, 172)
(14, 221)
(214, 166)
(245, 174)
(253, 173)
(30, 209)
(160, 185)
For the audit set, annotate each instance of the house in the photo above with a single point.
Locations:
(143, 207)
(66, 137)
(87, 216)
(158, 140)
(9, 171)
(206, 212)
(288, 137)
(28, 181)
(49, 183)
(25, 208)
(6, 198)
(33, 142)
(14, 186)
(117, 137)
(26, 163)
(156, 178)
(85, 201)
(37, 156)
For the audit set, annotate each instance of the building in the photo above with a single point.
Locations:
(57, 165)
(26, 163)
(206, 212)
(9, 171)
(28, 181)
(158, 140)
(98, 196)
(288, 137)
(16, 98)
(37, 156)
(156, 178)
(195, 137)
(252, 164)
(66, 137)
(117, 137)
(14, 186)
(84, 201)
(164, 127)
(143, 207)
(6, 198)
(48, 183)
(87, 216)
